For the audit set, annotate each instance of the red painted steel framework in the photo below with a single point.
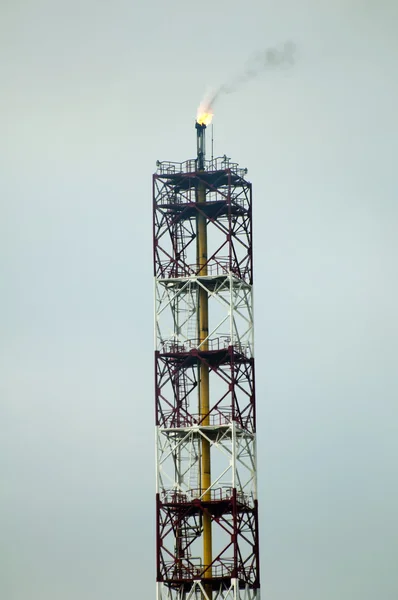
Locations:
(181, 357)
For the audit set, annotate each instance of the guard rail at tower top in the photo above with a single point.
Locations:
(221, 163)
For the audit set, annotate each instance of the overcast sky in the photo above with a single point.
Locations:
(92, 94)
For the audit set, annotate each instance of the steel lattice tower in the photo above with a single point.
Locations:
(206, 497)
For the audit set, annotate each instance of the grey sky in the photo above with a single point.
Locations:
(92, 94)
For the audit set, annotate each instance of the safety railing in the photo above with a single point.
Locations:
(182, 569)
(175, 269)
(193, 568)
(169, 199)
(220, 416)
(221, 163)
(216, 495)
(213, 344)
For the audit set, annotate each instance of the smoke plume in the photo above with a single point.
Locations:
(270, 58)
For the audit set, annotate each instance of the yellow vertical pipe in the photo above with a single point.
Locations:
(204, 395)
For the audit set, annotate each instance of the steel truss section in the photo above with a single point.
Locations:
(232, 379)
(230, 304)
(185, 506)
(233, 461)
(228, 210)
(231, 504)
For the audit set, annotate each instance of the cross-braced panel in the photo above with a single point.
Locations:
(233, 464)
(179, 531)
(230, 501)
(230, 305)
(231, 376)
(227, 211)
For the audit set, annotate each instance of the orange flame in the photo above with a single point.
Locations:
(204, 114)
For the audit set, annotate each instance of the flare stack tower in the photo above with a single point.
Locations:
(206, 491)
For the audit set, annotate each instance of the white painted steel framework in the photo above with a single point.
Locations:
(230, 303)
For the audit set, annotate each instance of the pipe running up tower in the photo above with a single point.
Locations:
(203, 375)
(206, 495)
